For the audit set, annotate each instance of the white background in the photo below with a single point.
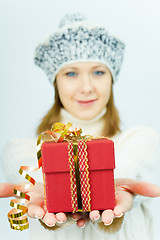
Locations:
(25, 93)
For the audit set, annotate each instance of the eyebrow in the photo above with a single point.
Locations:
(68, 68)
(75, 68)
(97, 66)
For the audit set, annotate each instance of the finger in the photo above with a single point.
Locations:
(39, 188)
(35, 211)
(76, 216)
(137, 187)
(80, 218)
(81, 223)
(145, 189)
(124, 201)
(107, 217)
(49, 219)
(36, 198)
(6, 190)
(61, 217)
(94, 215)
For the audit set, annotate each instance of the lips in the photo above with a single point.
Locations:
(86, 102)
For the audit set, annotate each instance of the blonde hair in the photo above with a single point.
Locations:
(112, 122)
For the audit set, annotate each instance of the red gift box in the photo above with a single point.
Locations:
(60, 187)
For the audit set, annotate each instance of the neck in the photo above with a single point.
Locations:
(92, 127)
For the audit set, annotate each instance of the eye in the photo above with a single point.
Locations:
(99, 73)
(71, 74)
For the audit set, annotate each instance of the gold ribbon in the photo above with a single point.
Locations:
(76, 177)
(59, 132)
(16, 216)
(77, 173)
(65, 134)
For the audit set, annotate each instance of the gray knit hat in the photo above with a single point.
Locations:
(76, 40)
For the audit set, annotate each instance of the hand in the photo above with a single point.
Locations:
(6, 190)
(36, 204)
(125, 191)
(36, 208)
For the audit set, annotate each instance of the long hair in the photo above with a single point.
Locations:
(112, 120)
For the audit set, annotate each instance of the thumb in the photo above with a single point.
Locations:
(6, 190)
(137, 187)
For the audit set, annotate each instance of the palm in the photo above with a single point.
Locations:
(125, 189)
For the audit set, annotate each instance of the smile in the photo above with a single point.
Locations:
(87, 103)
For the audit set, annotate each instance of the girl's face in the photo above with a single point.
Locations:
(84, 88)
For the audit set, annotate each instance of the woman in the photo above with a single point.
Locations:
(83, 61)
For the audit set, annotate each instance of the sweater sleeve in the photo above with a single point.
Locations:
(136, 153)
(138, 156)
(16, 153)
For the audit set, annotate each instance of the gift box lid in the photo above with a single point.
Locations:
(100, 153)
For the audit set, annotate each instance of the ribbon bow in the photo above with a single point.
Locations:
(58, 133)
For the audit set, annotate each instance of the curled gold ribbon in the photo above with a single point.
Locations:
(59, 132)
(16, 216)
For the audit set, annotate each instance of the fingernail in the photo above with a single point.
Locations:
(60, 222)
(75, 220)
(119, 216)
(50, 225)
(38, 217)
(83, 226)
(96, 219)
(107, 224)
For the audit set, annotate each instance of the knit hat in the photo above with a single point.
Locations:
(76, 40)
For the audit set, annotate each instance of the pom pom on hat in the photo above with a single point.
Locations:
(71, 18)
(78, 41)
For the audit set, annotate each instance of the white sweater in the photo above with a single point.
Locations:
(136, 154)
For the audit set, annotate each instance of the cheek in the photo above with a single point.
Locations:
(65, 90)
(105, 93)
(104, 88)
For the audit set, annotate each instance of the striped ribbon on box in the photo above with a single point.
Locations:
(79, 174)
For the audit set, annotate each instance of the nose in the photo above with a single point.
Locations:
(86, 84)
